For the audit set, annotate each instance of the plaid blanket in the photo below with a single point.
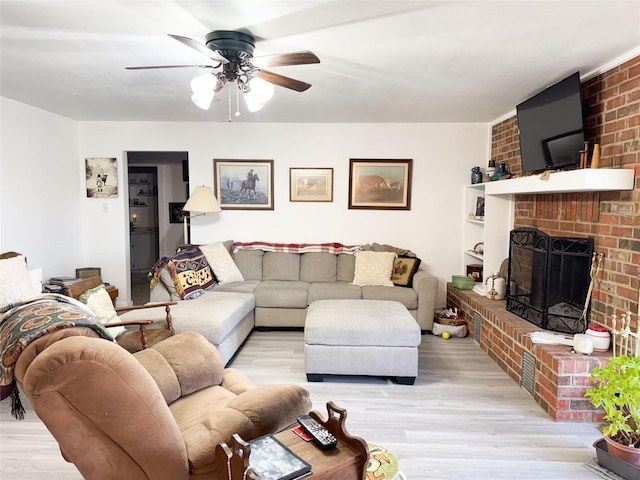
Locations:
(28, 320)
(335, 248)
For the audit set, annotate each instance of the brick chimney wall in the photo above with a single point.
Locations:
(612, 218)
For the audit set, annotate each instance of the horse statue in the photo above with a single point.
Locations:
(249, 185)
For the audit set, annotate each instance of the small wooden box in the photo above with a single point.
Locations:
(88, 272)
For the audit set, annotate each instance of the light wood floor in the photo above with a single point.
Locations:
(463, 419)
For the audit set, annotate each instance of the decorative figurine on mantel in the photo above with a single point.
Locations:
(476, 175)
(498, 288)
(501, 173)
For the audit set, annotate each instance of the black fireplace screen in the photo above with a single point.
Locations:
(549, 279)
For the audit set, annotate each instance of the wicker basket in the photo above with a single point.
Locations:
(462, 282)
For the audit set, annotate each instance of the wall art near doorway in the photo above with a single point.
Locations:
(244, 184)
(101, 177)
(380, 184)
(311, 184)
(176, 214)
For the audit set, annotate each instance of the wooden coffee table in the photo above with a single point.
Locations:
(348, 461)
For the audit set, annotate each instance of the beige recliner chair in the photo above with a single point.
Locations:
(157, 414)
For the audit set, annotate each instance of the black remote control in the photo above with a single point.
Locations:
(323, 437)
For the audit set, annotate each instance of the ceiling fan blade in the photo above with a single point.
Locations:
(285, 59)
(190, 42)
(151, 67)
(282, 81)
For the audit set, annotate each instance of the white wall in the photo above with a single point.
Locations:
(41, 182)
(442, 154)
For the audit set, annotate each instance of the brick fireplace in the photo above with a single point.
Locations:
(556, 378)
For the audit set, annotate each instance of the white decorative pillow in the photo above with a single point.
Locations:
(15, 282)
(220, 261)
(99, 302)
(373, 268)
(35, 274)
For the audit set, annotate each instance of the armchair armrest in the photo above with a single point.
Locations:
(167, 309)
(142, 323)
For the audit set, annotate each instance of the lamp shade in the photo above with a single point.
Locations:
(202, 200)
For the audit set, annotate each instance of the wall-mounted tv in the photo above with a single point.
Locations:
(551, 127)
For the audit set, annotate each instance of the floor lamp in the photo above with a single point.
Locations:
(201, 202)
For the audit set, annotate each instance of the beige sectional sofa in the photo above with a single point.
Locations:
(276, 290)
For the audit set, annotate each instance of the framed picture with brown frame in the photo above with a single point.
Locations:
(380, 184)
(243, 184)
(311, 184)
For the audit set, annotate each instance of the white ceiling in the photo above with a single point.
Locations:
(381, 61)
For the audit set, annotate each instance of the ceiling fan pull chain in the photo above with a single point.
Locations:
(229, 90)
(237, 102)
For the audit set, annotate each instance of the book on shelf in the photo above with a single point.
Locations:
(272, 460)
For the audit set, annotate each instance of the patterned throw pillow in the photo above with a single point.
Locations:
(373, 268)
(404, 268)
(191, 273)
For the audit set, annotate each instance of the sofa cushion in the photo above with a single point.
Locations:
(214, 314)
(281, 293)
(333, 290)
(249, 263)
(281, 266)
(346, 267)
(221, 263)
(374, 268)
(99, 302)
(15, 282)
(404, 268)
(406, 296)
(318, 267)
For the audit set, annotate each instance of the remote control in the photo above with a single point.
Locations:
(323, 437)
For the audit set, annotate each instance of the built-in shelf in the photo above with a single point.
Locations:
(475, 255)
(583, 180)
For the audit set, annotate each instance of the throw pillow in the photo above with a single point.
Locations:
(222, 264)
(191, 273)
(373, 268)
(404, 268)
(15, 282)
(99, 302)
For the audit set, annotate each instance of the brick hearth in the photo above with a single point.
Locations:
(560, 378)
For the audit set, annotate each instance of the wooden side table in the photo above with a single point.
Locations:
(348, 461)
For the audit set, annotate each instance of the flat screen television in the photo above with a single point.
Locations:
(551, 127)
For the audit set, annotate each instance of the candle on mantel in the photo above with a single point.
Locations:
(595, 159)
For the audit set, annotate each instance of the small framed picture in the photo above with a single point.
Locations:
(176, 214)
(479, 208)
(243, 184)
(311, 184)
(102, 177)
(380, 184)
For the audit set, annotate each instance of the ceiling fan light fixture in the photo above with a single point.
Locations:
(257, 93)
(203, 99)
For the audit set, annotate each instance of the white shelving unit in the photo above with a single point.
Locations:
(493, 231)
(499, 207)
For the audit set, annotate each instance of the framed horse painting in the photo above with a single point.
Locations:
(244, 184)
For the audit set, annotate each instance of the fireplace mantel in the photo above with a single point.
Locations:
(583, 180)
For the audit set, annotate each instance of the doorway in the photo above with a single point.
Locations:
(157, 181)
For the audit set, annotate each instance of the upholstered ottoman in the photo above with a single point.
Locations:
(361, 337)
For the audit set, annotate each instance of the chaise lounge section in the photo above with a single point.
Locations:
(265, 285)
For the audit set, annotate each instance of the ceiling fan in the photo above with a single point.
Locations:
(233, 52)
